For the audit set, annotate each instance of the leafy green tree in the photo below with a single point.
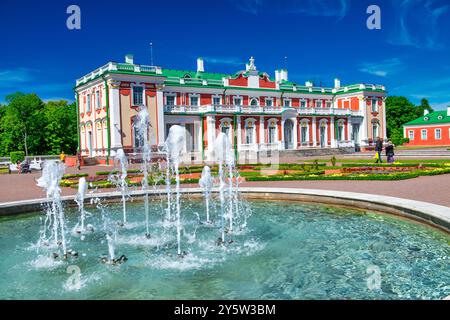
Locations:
(21, 124)
(424, 105)
(60, 127)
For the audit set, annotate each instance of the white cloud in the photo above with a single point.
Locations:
(417, 24)
(326, 8)
(224, 60)
(382, 68)
(12, 77)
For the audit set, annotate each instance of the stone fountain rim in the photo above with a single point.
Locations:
(434, 215)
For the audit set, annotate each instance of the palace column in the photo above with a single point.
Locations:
(314, 131)
(262, 131)
(282, 135)
(332, 133)
(114, 117)
(239, 133)
(295, 135)
(349, 128)
(211, 135)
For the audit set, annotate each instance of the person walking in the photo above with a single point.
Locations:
(79, 159)
(390, 152)
(378, 150)
(62, 157)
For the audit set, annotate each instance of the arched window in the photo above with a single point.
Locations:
(249, 131)
(375, 130)
(225, 127)
(272, 131)
(304, 134)
(340, 131)
(254, 102)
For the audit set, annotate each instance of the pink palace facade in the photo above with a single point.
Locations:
(258, 113)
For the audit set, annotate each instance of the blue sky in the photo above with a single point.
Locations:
(322, 39)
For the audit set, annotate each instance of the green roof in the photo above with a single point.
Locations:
(436, 117)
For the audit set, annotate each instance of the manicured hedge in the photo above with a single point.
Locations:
(390, 165)
(76, 175)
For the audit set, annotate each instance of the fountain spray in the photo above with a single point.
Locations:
(175, 143)
(206, 184)
(79, 199)
(52, 173)
(122, 158)
(143, 124)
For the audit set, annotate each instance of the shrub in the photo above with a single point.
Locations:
(333, 161)
(17, 156)
(76, 175)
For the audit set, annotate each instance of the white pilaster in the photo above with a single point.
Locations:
(314, 133)
(384, 118)
(295, 135)
(363, 130)
(239, 132)
(210, 134)
(160, 108)
(282, 135)
(262, 131)
(349, 128)
(114, 118)
(332, 133)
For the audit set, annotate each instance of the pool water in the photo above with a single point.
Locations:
(287, 250)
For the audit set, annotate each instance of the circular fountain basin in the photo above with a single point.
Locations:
(282, 250)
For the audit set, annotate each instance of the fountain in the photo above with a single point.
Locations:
(52, 173)
(79, 199)
(122, 158)
(224, 156)
(206, 183)
(143, 124)
(175, 143)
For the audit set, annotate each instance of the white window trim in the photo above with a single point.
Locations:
(98, 101)
(435, 134)
(253, 121)
(304, 123)
(275, 120)
(301, 101)
(240, 98)
(268, 99)
(132, 93)
(230, 132)
(426, 134)
(411, 133)
(171, 94)
(216, 96)
(376, 105)
(287, 100)
(194, 95)
(330, 103)
(88, 103)
(317, 104)
(251, 99)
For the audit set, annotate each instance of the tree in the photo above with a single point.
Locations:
(424, 105)
(60, 127)
(21, 124)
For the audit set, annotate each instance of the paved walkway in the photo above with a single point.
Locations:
(434, 189)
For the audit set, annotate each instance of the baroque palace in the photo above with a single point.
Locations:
(258, 113)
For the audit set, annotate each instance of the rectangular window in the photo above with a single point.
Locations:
(304, 135)
(303, 104)
(216, 101)
(374, 105)
(97, 99)
(194, 100)
(318, 104)
(138, 93)
(328, 104)
(437, 134)
(88, 103)
(411, 135)
(249, 135)
(237, 101)
(170, 100)
(287, 103)
(424, 134)
(269, 102)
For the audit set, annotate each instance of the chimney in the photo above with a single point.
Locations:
(337, 83)
(129, 59)
(200, 65)
(277, 75)
(425, 112)
(283, 75)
